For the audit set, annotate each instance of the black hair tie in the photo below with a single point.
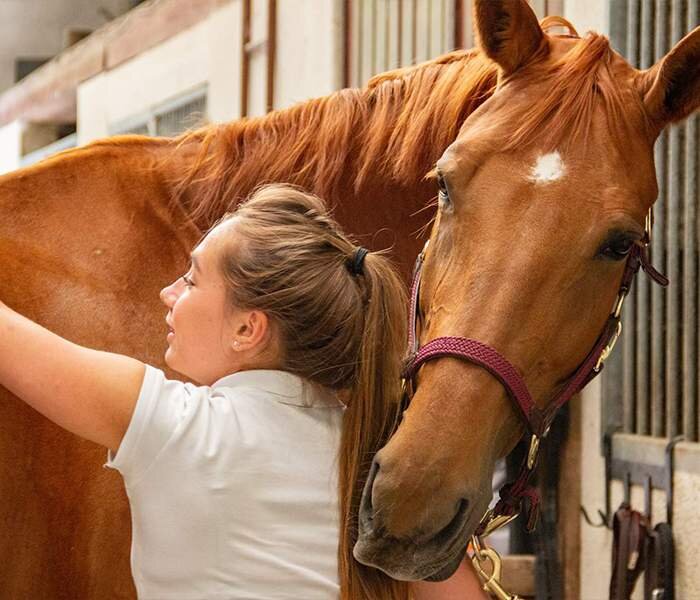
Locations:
(355, 265)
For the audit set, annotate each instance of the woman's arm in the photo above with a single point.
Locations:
(88, 392)
(463, 585)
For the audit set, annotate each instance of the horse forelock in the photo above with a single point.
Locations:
(575, 85)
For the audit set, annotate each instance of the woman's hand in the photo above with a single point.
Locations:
(463, 585)
(87, 392)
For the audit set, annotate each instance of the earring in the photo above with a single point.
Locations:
(236, 344)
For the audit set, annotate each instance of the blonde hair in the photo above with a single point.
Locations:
(342, 330)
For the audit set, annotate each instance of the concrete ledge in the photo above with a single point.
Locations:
(645, 455)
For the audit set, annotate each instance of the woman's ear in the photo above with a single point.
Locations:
(252, 328)
(671, 88)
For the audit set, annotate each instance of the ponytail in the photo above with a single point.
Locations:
(372, 410)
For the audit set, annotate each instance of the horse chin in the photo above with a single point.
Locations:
(448, 570)
(435, 559)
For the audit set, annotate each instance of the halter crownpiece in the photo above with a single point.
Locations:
(358, 258)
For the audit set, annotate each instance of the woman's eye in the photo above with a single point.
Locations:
(618, 250)
(188, 281)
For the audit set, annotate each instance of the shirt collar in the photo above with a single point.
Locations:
(285, 387)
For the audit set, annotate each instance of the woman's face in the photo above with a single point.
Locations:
(202, 342)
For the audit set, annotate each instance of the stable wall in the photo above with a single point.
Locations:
(209, 54)
(596, 543)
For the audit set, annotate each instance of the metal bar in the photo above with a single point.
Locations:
(245, 58)
(628, 356)
(633, 32)
(373, 69)
(399, 37)
(459, 24)
(642, 371)
(658, 251)
(387, 35)
(271, 53)
(359, 41)
(690, 284)
(380, 23)
(673, 262)
(414, 33)
(629, 317)
(347, 35)
(618, 25)
(429, 30)
(692, 194)
(689, 298)
(444, 42)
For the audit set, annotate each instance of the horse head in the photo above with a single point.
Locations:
(543, 198)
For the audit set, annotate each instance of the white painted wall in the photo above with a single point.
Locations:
(310, 48)
(35, 28)
(309, 64)
(175, 67)
(10, 146)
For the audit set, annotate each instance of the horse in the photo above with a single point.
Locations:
(543, 207)
(89, 236)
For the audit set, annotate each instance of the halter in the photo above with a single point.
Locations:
(537, 421)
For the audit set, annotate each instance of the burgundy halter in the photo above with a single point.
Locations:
(537, 420)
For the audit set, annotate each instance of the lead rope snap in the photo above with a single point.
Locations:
(491, 579)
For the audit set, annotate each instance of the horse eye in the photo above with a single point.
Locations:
(617, 249)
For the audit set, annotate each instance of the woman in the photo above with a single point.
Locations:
(244, 483)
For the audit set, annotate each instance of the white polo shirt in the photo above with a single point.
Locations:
(233, 488)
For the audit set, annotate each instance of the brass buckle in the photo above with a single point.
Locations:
(648, 224)
(609, 348)
(532, 452)
(491, 581)
(617, 309)
(495, 522)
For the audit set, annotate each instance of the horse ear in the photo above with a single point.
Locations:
(671, 88)
(508, 32)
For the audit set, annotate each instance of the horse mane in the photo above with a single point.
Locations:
(396, 127)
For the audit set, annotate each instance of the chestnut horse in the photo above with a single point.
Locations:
(88, 238)
(543, 196)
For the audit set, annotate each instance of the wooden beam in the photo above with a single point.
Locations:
(519, 574)
(569, 502)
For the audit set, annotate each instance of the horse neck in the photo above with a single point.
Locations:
(353, 143)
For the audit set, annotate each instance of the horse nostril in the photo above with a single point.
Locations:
(366, 504)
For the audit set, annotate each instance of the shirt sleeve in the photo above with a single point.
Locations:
(163, 404)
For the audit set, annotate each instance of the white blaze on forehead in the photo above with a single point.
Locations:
(548, 168)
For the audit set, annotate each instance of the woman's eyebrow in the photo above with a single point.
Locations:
(195, 263)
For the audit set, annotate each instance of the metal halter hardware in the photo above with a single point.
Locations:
(537, 420)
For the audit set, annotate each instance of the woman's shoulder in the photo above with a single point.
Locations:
(277, 386)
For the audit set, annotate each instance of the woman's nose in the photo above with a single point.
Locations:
(168, 295)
